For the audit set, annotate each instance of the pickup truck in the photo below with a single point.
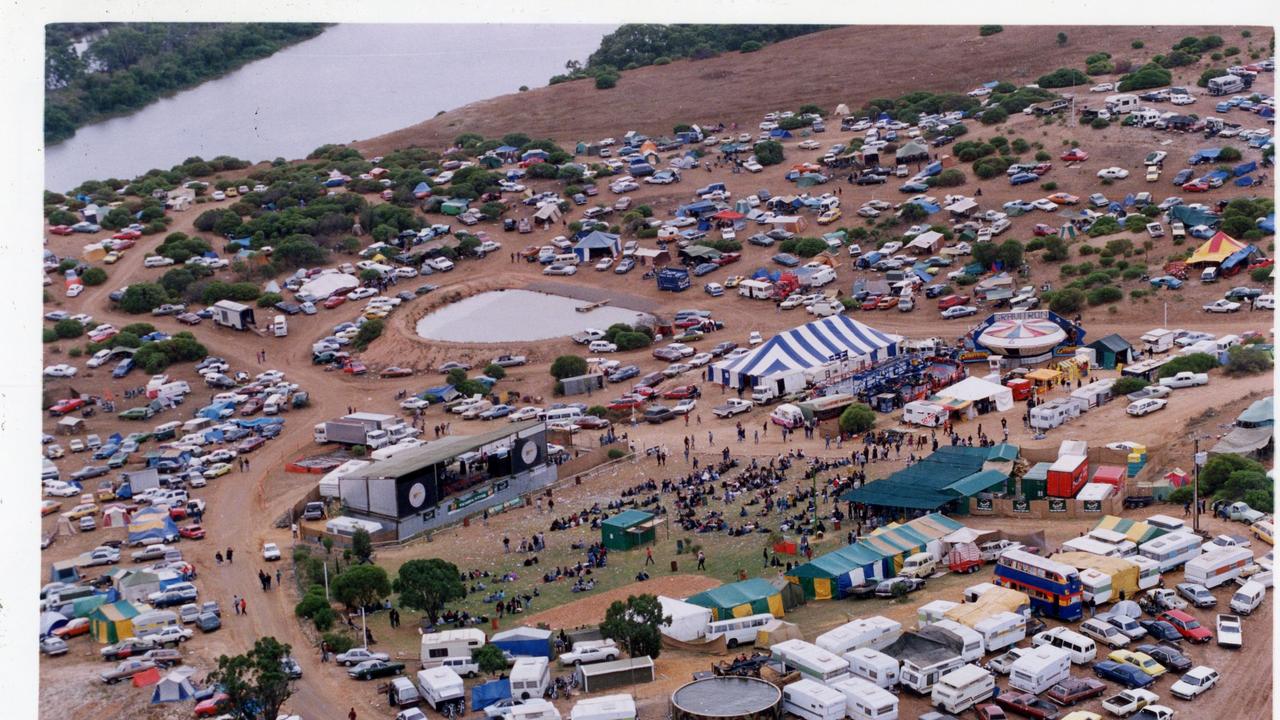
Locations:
(731, 407)
(509, 360)
(1161, 599)
(1128, 702)
(589, 652)
(1185, 379)
(1154, 712)
(586, 336)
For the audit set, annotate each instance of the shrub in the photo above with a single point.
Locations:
(1148, 76)
(76, 351)
(604, 81)
(951, 177)
(615, 453)
(1105, 225)
(370, 331)
(48, 335)
(1105, 294)
(1127, 384)
(1137, 44)
(966, 280)
(1049, 186)
(567, 366)
(94, 276)
(339, 642)
(67, 329)
(143, 297)
(769, 152)
(1062, 77)
(1065, 301)
(662, 60)
(1193, 362)
(750, 46)
(994, 116)
(1262, 274)
(1244, 360)
(986, 30)
(857, 418)
(1229, 154)
(1035, 244)
(1100, 123)
(1062, 38)
(266, 300)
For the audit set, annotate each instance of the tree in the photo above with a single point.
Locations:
(427, 585)
(1068, 300)
(1219, 469)
(1192, 362)
(994, 116)
(1245, 360)
(769, 152)
(567, 366)
(368, 332)
(951, 177)
(490, 659)
(495, 371)
(362, 546)
(985, 30)
(635, 625)
(68, 328)
(94, 276)
(143, 297)
(1128, 384)
(360, 586)
(857, 418)
(255, 683)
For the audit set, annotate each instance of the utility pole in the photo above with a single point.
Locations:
(1198, 459)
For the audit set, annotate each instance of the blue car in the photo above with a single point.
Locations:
(1023, 178)
(786, 260)
(1222, 107)
(124, 367)
(1168, 281)
(1127, 675)
(1020, 205)
(1182, 177)
(705, 268)
(914, 187)
(624, 373)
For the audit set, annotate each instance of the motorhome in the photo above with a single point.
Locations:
(1173, 550)
(811, 700)
(738, 631)
(922, 412)
(971, 649)
(1121, 104)
(1039, 669)
(1218, 567)
(533, 709)
(874, 666)
(450, 644)
(440, 686)
(756, 289)
(810, 660)
(1081, 649)
(606, 707)
(1225, 85)
(963, 688)
(530, 677)
(876, 632)
(865, 701)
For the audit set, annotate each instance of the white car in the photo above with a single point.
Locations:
(414, 404)
(1146, 406)
(604, 264)
(75, 290)
(1182, 99)
(1197, 681)
(361, 293)
(270, 551)
(1230, 634)
(560, 270)
(602, 346)
(686, 406)
(524, 413)
(355, 656)
(701, 359)
(755, 338)
(61, 371)
(1222, 306)
(170, 635)
(810, 145)
(156, 261)
(1113, 173)
(959, 311)
(57, 488)
(440, 264)
(1103, 87)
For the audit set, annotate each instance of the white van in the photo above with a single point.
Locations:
(440, 686)
(558, 414)
(273, 405)
(530, 677)
(876, 632)
(963, 688)
(154, 621)
(403, 693)
(175, 388)
(605, 707)
(1104, 632)
(279, 326)
(1039, 669)
(811, 700)
(865, 701)
(874, 666)
(565, 259)
(1248, 597)
(1209, 275)
(195, 425)
(464, 666)
(435, 647)
(920, 565)
(738, 631)
(1082, 649)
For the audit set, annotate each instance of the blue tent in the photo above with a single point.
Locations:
(763, 274)
(1244, 168)
(484, 695)
(929, 207)
(780, 133)
(524, 641)
(151, 524)
(932, 168)
(1205, 155)
(1268, 224)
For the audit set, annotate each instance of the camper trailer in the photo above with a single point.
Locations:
(1039, 669)
(971, 649)
(921, 412)
(530, 677)
(232, 314)
(874, 666)
(932, 612)
(1091, 546)
(738, 631)
(1158, 340)
(1172, 551)
(963, 688)
(606, 707)
(1148, 571)
(534, 709)
(440, 686)
(756, 289)
(450, 644)
(865, 701)
(1218, 567)
(875, 632)
(811, 700)
(810, 660)
(1001, 630)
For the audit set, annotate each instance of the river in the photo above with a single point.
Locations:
(352, 82)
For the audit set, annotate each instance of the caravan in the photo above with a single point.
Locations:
(812, 700)
(865, 701)
(606, 707)
(963, 688)
(1148, 571)
(1173, 550)
(1039, 669)
(875, 632)
(1220, 566)
(530, 677)
(812, 661)
(1001, 630)
(737, 631)
(440, 686)
(1248, 597)
(450, 644)
(971, 649)
(873, 665)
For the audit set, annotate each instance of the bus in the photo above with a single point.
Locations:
(1054, 588)
(1173, 550)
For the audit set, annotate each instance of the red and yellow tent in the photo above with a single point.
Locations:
(1216, 249)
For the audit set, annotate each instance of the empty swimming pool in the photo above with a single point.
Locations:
(517, 315)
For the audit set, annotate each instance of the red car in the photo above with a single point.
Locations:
(191, 532)
(189, 319)
(73, 628)
(627, 403)
(681, 392)
(60, 229)
(178, 512)
(67, 406)
(213, 706)
(1075, 155)
(991, 712)
(1042, 168)
(127, 235)
(249, 445)
(334, 301)
(354, 367)
(120, 245)
(886, 302)
(1076, 689)
(871, 303)
(729, 257)
(395, 372)
(1196, 186)
(1027, 704)
(1187, 626)
(951, 301)
(1042, 230)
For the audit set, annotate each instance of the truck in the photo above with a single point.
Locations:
(756, 289)
(673, 279)
(279, 326)
(1128, 702)
(370, 429)
(731, 407)
(1158, 340)
(233, 315)
(1185, 379)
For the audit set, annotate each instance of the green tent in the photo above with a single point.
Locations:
(113, 622)
(748, 597)
(627, 529)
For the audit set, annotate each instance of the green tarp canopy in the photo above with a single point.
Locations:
(951, 473)
(748, 597)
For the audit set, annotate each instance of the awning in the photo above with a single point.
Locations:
(1244, 440)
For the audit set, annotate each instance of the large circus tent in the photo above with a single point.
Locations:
(793, 357)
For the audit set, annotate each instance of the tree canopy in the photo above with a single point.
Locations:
(427, 585)
(361, 585)
(255, 682)
(635, 625)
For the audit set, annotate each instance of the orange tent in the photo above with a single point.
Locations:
(146, 678)
(1216, 249)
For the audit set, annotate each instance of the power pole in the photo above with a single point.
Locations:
(1198, 459)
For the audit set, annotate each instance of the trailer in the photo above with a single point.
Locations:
(1157, 341)
(1067, 475)
(1218, 566)
(810, 660)
(876, 632)
(811, 700)
(233, 315)
(594, 677)
(926, 655)
(756, 289)
(1039, 669)
(673, 279)
(357, 429)
(1173, 550)
(866, 701)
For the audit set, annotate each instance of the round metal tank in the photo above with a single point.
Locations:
(727, 698)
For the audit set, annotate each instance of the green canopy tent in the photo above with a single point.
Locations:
(748, 597)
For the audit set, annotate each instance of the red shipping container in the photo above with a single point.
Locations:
(1021, 388)
(1067, 475)
(1110, 474)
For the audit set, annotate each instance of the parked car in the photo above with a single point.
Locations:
(1197, 594)
(1073, 690)
(1027, 704)
(355, 656)
(1187, 626)
(371, 669)
(1197, 681)
(1122, 673)
(1229, 631)
(895, 586)
(1167, 656)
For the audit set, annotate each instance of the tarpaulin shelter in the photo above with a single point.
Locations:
(524, 641)
(115, 516)
(787, 356)
(113, 622)
(1215, 250)
(925, 243)
(776, 631)
(486, 694)
(628, 529)
(950, 474)
(1135, 531)
(747, 597)
(174, 687)
(912, 152)
(151, 524)
(596, 243)
(688, 621)
(1123, 574)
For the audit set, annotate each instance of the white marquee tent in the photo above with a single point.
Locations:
(975, 389)
(688, 621)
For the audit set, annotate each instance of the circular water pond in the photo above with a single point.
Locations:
(517, 315)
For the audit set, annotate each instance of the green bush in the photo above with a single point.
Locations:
(67, 329)
(857, 418)
(1049, 186)
(75, 352)
(1100, 123)
(750, 46)
(1262, 274)
(1244, 360)
(266, 300)
(604, 81)
(1137, 44)
(1193, 362)
(1042, 156)
(1229, 154)
(48, 335)
(567, 366)
(1035, 244)
(1127, 384)
(985, 30)
(994, 116)
(951, 177)
(339, 642)
(1062, 77)
(94, 276)
(1148, 76)
(615, 453)
(1069, 300)
(371, 330)
(1105, 294)
(768, 152)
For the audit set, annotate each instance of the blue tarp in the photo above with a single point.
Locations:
(1239, 257)
(1244, 168)
(1268, 224)
(1219, 174)
(764, 274)
(780, 133)
(524, 642)
(928, 207)
(259, 422)
(482, 696)
(933, 168)
(1205, 155)
(1245, 181)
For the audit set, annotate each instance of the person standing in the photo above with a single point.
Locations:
(351, 715)
(702, 560)
(235, 603)
(229, 555)
(648, 556)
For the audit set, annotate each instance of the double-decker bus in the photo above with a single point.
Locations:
(1054, 587)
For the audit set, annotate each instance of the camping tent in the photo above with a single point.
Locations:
(115, 516)
(1215, 250)
(911, 152)
(138, 585)
(174, 687)
(50, 621)
(976, 390)
(548, 213)
(597, 243)
(524, 641)
(688, 621)
(925, 243)
(788, 355)
(113, 622)
(151, 524)
(1111, 350)
(952, 473)
(874, 557)
(747, 597)
(776, 631)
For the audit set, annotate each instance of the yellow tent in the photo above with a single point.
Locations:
(113, 622)
(1124, 574)
(1216, 249)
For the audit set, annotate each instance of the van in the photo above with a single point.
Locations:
(1209, 275)
(1248, 597)
(440, 686)
(874, 666)
(560, 414)
(435, 647)
(154, 621)
(865, 701)
(1039, 669)
(963, 688)
(196, 425)
(402, 693)
(1082, 649)
(273, 405)
(279, 326)
(1225, 343)
(464, 666)
(737, 631)
(565, 259)
(166, 431)
(1104, 632)
(530, 677)
(920, 565)
(171, 389)
(811, 700)
(606, 707)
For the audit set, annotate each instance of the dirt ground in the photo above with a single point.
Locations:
(244, 506)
